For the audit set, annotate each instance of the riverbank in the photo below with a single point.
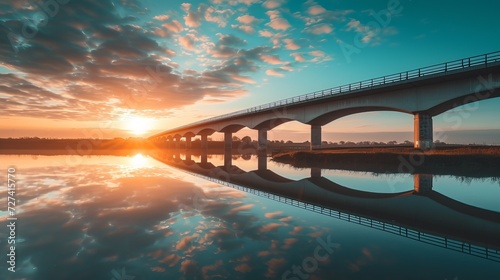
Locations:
(473, 161)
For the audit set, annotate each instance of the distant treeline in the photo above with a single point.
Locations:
(141, 143)
(74, 144)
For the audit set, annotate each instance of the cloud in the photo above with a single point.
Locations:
(316, 14)
(218, 16)
(271, 59)
(370, 34)
(242, 208)
(318, 29)
(248, 22)
(246, 19)
(317, 53)
(192, 18)
(173, 26)
(289, 242)
(236, 2)
(274, 266)
(270, 227)
(316, 10)
(101, 64)
(291, 45)
(231, 40)
(265, 33)
(358, 27)
(187, 42)
(243, 268)
(246, 28)
(273, 215)
(215, 268)
(273, 4)
(161, 17)
(298, 57)
(277, 21)
(243, 79)
(274, 73)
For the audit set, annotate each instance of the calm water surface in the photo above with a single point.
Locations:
(110, 217)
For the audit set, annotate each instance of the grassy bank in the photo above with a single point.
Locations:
(474, 161)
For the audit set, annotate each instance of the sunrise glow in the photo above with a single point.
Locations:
(139, 125)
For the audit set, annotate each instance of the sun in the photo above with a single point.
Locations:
(138, 161)
(139, 125)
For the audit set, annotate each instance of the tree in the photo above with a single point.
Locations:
(246, 140)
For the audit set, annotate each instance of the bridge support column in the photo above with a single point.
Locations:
(177, 155)
(178, 142)
(262, 160)
(422, 183)
(423, 138)
(262, 137)
(188, 142)
(204, 148)
(315, 172)
(204, 142)
(204, 157)
(228, 149)
(315, 137)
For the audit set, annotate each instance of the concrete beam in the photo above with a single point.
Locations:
(423, 138)
(188, 142)
(315, 137)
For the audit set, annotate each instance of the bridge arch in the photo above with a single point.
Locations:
(231, 128)
(337, 114)
(272, 123)
(462, 100)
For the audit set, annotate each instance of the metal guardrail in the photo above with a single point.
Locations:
(442, 68)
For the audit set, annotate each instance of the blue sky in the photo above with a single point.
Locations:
(98, 65)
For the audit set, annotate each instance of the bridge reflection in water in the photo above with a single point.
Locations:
(420, 214)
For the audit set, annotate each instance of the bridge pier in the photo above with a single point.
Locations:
(315, 172)
(423, 138)
(177, 155)
(228, 149)
(177, 142)
(188, 142)
(422, 183)
(204, 142)
(168, 142)
(262, 138)
(315, 137)
(204, 157)
(261, 160)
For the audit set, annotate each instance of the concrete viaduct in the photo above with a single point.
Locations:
(424, 93)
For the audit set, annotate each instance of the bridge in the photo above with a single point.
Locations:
(424, 93)
(420, 214)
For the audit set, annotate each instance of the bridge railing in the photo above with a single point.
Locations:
(442, 68)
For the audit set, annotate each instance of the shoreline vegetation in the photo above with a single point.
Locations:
(473, 161)
(443, 159)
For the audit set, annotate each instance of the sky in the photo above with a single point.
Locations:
(122, 68)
